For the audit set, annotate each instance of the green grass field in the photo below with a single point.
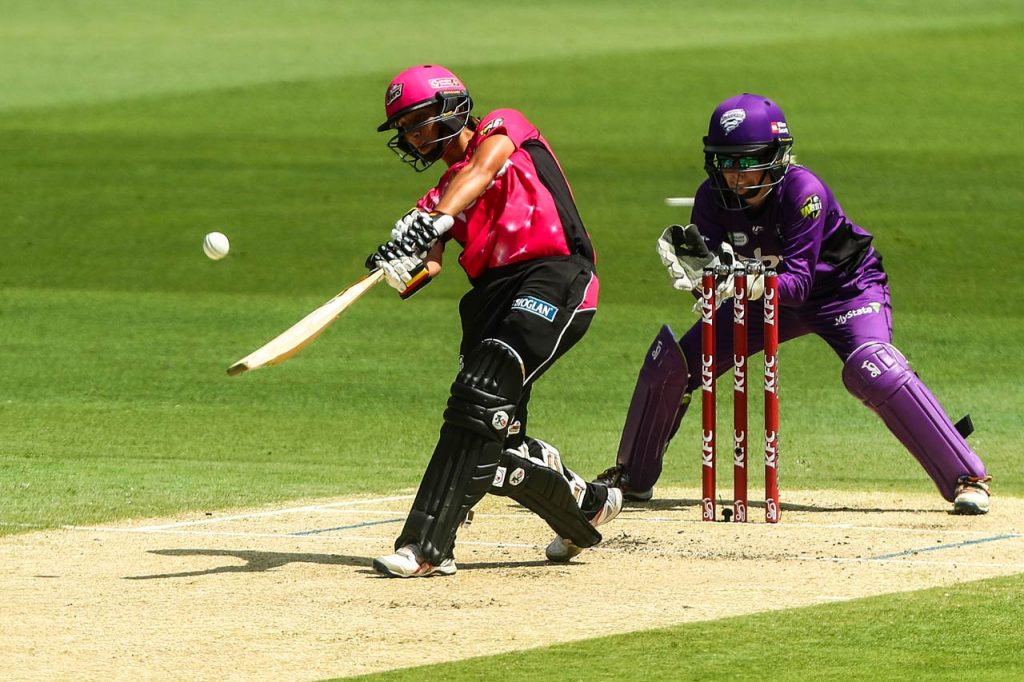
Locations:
(129, 130)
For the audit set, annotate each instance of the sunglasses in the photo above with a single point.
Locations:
(738, 162)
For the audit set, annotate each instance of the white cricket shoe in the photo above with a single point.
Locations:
(971, 495)
(407, 563)
(562, 549)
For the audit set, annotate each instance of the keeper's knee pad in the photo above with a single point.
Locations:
(881, 377)
(460, 472)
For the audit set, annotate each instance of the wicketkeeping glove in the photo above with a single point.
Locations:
(685, 255)
(726, 285)
(725, 280)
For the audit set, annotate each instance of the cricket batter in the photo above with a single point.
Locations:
(530, 262)
(757, 203)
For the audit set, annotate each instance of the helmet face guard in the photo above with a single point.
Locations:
(771, 161)
(747, 134)
(418, 88)
(453, 116)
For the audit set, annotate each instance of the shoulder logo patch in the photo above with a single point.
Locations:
(491, 125)
(812, 207)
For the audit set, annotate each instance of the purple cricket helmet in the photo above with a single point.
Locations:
(417, 88)
(747, 133)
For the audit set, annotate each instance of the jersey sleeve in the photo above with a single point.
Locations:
(703, 217)
(433, 196)
(429, 200)
(802, 229)
(507, 122)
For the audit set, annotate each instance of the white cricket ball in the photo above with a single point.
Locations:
(216, 245)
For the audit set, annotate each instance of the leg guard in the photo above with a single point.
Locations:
(535, 479)
(462, 467)
(655, 411)
(880, 376)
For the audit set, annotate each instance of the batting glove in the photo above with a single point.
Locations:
(403, 223)
(418, 230)
(403, 269)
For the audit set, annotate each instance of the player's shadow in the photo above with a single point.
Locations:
(255, 562)
(668, 504)
(535, 563)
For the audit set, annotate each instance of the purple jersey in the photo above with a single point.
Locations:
(802, 231)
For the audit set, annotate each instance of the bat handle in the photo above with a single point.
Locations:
(419, 278)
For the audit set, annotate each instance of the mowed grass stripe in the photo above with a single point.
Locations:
(286, 170)
(967, 631)
(75, 51)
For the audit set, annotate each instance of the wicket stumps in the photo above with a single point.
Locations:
(740, 335)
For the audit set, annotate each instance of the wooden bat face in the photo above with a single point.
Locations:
(303, 332)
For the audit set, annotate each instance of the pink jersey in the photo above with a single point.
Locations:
(527, 212)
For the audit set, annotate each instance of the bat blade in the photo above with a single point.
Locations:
(303, 332)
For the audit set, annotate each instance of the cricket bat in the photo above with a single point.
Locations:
(302, 333)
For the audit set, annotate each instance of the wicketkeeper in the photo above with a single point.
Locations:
(529, 259)
(758, 204)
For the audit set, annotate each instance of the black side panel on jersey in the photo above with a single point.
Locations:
(844, 250)
(551, 176)
(461, 470)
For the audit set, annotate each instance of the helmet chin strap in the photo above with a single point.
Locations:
(750, 195)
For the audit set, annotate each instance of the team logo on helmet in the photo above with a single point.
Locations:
(394, 92)
(445, 83)
(732, 119)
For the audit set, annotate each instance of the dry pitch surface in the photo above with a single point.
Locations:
(289, 593)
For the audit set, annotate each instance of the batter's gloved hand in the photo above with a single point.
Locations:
(685, 255)
(403, 223)
(419, 230)
(403, 269)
